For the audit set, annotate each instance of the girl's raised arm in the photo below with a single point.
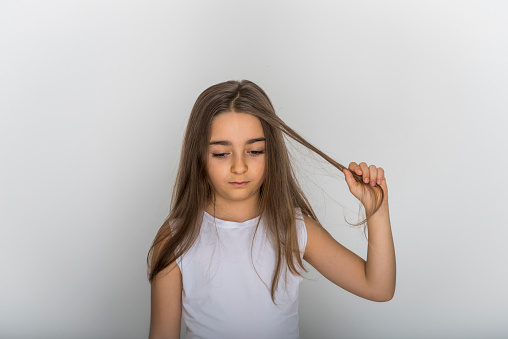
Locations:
(166, 303)
(373, 279)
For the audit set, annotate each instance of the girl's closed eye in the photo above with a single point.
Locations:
(219, 155)
(257, 152)
(223, 155)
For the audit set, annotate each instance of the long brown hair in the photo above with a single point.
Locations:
(280, 192)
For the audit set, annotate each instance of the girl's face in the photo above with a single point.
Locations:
(236, 158)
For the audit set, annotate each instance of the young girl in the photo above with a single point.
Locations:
(229, 255)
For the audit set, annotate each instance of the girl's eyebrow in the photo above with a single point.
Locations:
(228, 143)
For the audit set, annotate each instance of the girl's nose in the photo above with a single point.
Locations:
(239, 166)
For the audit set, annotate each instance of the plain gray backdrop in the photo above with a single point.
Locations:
(94, 99)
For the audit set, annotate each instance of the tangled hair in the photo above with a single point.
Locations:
(280, 192)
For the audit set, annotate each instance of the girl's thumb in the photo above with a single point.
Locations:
(348, 176)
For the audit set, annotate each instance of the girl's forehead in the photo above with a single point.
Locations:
(235, 127)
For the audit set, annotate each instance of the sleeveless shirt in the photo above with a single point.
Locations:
(226, 277)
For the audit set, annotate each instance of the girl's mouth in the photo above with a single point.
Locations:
(239, 183)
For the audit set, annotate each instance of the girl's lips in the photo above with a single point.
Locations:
(239, 183)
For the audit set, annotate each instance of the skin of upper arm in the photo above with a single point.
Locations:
(334, 261)
(166, 303)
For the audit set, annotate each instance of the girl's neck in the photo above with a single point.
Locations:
(234, 211)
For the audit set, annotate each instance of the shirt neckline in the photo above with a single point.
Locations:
(230, 224)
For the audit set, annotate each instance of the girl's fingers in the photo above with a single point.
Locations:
(365, 170)
(380, 175)
(370, 174)
(354, 167)
(373, 175)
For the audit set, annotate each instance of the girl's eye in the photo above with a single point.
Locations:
(257, 152)
(219, 155)
(223, 155)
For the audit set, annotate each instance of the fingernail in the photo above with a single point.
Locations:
(366, 180)
(379, 181)
(359, 171)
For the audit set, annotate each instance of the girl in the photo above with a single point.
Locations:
(229, 255)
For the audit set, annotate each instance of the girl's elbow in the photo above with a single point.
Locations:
(383, 295)
(384, 299)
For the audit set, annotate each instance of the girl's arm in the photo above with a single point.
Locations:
(166, 303)
(373, 279)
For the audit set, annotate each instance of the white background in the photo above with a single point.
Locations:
(94, 99)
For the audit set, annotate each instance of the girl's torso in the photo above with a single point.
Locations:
(226, 291)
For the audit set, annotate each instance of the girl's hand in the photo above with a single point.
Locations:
(370, 175)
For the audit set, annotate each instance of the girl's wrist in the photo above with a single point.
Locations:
(382, 210)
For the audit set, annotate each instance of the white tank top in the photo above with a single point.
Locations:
(223, 296)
